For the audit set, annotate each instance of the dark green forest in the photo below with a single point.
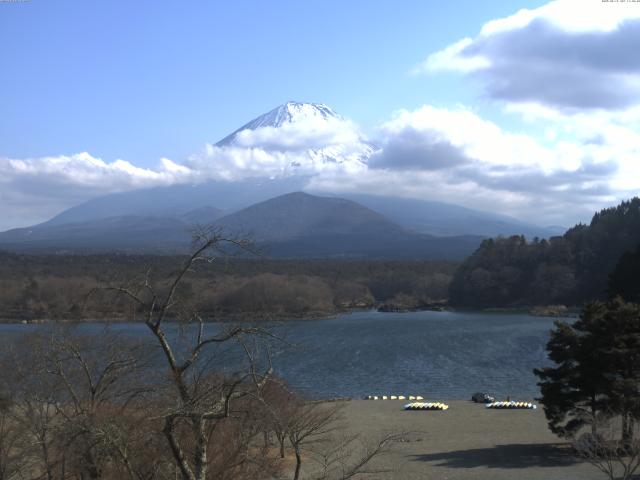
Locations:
(571, 269)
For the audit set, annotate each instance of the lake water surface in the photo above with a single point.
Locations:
(447, 355)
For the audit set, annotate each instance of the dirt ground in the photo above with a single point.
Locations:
(467, 441)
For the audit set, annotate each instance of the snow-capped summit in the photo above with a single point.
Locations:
(288, 113)
(317, 134)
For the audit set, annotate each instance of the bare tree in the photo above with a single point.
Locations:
(280, 407)
(201, 399)
(36, 405)
(33, 405)
(347, 456)
(311, 423)
(101, 383)
(79, 403)
(12, 441)
(317, 429)
(613, 450)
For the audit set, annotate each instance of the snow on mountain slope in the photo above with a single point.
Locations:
(311, 133)
(290, 112)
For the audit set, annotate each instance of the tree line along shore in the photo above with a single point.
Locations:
(58, 287)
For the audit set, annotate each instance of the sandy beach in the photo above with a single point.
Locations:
(467, 441)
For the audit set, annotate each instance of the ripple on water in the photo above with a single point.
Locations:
(437, 354)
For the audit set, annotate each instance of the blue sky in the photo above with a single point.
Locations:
(528, 108)
(145, 79)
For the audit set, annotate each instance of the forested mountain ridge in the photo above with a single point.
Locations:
(569, 269)
(293, 225)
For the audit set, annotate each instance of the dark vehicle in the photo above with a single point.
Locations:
(480, 397)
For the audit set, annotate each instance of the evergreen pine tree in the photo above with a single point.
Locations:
(597, 369)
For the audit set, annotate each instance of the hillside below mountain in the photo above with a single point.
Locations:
(132, 234)
(303, 225)
(444, 219)
(298, 214)
(295, 225)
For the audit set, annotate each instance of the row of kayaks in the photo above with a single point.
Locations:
(393, 397)
(426, 406)
(416, 404)
(443, 406)
(511, 405)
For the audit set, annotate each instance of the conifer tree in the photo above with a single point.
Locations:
(597, 369)
(625, 278)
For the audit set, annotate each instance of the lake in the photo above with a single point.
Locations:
(440, 355)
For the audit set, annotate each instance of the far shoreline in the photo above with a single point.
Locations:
(549, 311)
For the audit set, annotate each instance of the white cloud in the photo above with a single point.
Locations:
(304, 147)
(85, 171)
(570, 71)
(235, 163)
(570, 15)
(567, 54)
(480, 139)
(34, 189)
(455, 155)
(451, 58)
(310, 133)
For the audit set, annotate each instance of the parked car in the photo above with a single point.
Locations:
(480, 397)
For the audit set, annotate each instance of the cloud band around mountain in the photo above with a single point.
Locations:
(437, 153)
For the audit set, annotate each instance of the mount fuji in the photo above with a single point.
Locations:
(319, 120)
(139, 220)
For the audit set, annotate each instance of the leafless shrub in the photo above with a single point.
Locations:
(611, 447)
